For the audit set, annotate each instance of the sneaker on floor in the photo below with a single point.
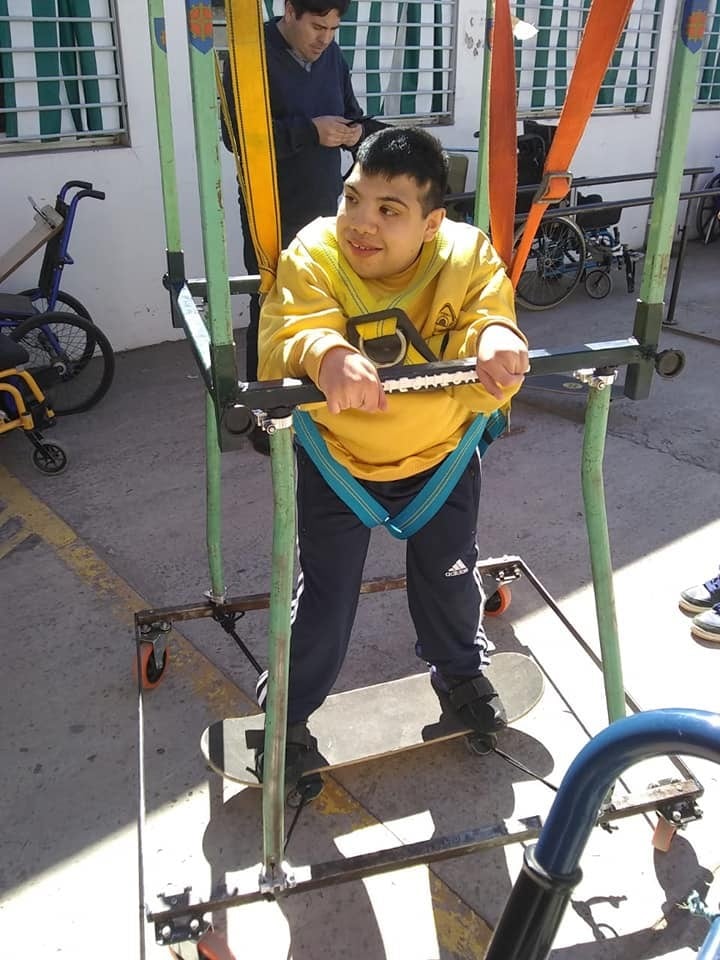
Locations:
(473, 698)
(702, 597)
(706, 625)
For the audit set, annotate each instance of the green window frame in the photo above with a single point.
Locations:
(61, 79)
(401, 54)
(544, 63)
(708, 92)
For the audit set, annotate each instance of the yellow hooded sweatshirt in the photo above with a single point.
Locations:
(457, 287)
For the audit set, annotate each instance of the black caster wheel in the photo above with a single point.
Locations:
(49, 458)
(598, 284)
(480, 744)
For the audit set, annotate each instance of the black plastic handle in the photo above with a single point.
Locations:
(94, 194)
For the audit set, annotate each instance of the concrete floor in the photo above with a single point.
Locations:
(123, 529)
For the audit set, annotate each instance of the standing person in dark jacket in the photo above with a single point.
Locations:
(313, 108)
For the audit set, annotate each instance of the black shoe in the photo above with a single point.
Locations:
(474, 699)
(260, 441)
(301, 753)
(702, 597)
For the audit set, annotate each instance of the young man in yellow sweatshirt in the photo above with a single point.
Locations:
(390, 246)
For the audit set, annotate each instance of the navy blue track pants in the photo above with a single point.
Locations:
(444, 588)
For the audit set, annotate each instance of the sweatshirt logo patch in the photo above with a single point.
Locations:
(446, 319)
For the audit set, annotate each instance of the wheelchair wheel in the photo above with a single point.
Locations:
(554, 267)
(49, 458)
(706, 215)
(65, 302)
(70, 358)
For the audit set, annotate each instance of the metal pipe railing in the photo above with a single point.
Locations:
(551, 871)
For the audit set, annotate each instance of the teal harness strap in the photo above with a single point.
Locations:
(481, 432)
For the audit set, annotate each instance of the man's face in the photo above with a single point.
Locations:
(380, 224)
(310, 34)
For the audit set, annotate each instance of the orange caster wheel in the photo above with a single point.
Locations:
(211, 946)
(151, 673)
(663, 834)
(498, 602)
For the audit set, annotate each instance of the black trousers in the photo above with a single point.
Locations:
(444, 587)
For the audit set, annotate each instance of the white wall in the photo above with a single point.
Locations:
(119, 245)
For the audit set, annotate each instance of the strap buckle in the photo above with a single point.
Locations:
(384, 337)
(554, 186)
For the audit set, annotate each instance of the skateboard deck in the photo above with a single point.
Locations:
(375, 721)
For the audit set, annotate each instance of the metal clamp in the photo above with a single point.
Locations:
(156, 634)
(678, 811)
(179, 929)
(273, 424)
(596, 377)
(276, 878)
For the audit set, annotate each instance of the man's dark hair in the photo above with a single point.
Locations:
(410, 152)
(320, 8)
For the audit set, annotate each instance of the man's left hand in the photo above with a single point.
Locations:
(355, 131)
(502, 360)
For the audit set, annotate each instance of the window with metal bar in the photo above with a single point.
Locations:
(60, 75)
(401, 54)
(708, 93)
(544, 62)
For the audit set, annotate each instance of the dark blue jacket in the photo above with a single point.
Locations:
(309, 178)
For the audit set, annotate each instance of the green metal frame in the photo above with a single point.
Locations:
(228, 400)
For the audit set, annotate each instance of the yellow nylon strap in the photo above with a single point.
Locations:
(377, 328)
(502, 173)
(255, 150)
(435, 345)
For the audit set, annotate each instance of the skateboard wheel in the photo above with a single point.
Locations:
(498, 602)
(150, 673)
(480, 744)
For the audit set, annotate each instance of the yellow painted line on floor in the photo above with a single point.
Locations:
(461, 932)
(37, 518)
(7, 546)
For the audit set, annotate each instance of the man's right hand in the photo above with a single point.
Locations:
(350, 381)
(335, 132)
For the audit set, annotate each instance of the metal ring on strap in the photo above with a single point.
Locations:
(396, 358)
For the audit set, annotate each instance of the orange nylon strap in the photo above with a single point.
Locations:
(248, 71)
(502, 165)
(605, 23)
